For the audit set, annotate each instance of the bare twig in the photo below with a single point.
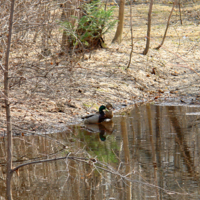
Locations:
(49, 160)
(167, 25)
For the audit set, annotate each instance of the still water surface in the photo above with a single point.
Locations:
(151, 152)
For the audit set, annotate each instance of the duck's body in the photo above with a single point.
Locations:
(94, 119)
(99, 117)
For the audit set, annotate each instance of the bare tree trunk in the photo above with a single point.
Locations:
(167, 26)
(131, 24)
(148, 29)
(7, 105)
(118, 34)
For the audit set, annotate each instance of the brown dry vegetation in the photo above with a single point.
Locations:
(53, 90)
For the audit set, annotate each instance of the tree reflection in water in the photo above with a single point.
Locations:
(150, 152)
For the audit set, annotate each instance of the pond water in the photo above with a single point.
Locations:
(151, 152)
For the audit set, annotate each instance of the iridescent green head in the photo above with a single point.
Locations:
(101, 108)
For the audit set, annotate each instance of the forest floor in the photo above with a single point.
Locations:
(169, 74)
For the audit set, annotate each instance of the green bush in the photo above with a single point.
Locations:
(94, 23)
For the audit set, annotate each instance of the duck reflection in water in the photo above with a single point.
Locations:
(104, 129)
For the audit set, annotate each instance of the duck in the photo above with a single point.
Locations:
(101, 116)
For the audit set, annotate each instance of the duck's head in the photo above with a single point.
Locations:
(101, 108)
